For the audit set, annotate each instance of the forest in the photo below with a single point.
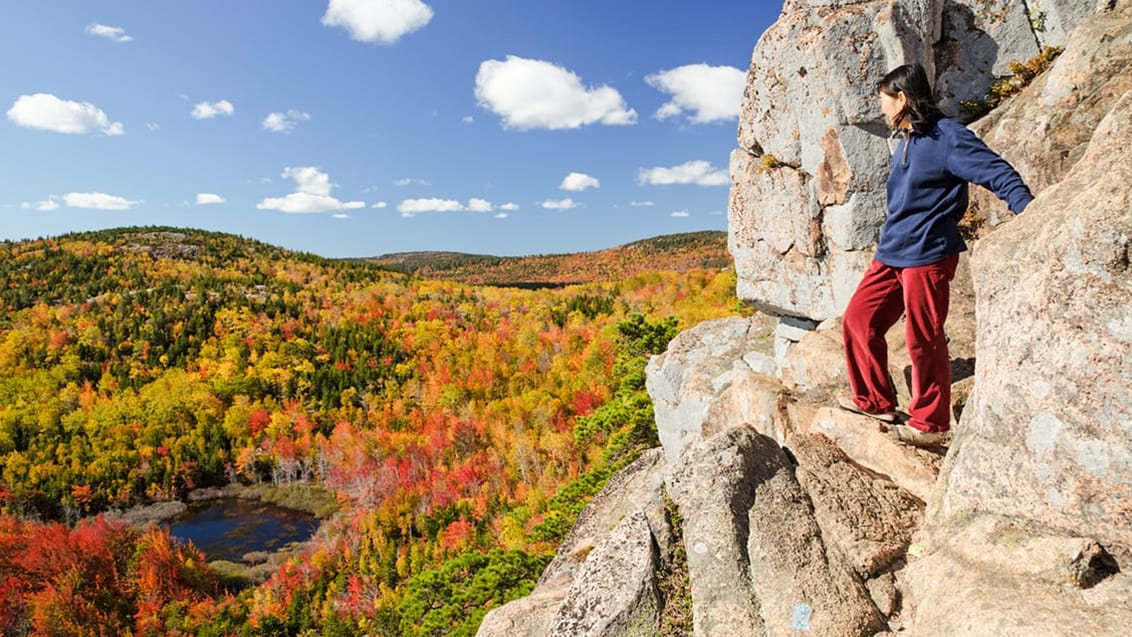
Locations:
(460, 427)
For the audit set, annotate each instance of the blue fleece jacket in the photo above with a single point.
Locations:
(927, 193)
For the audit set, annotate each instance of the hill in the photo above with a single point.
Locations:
(677, 253)
(460, 428)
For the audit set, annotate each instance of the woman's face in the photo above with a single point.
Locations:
(892, 106)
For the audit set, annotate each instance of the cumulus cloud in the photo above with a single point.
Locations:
(698, 172)
(640, 204)
(94, 200)
(379, 204)
(559, 204)
(412, 207)
(578, 182)
(208, 110)
(502, 215)
(312, 193)
(408, 181)
(340, 215)
(509, 206)
(705, 93)
(284, 122)
(468, 119)
(47, 112)
(479, 205)
(679, 214)
(206, 198)
(117, 34)
(383, 21)
(536, 94)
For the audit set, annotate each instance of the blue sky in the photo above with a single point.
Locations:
(352, 128)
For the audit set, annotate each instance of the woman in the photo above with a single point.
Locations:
(916, 256)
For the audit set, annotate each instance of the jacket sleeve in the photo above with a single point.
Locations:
(972, 160)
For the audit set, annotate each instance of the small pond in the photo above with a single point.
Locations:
(228, 528)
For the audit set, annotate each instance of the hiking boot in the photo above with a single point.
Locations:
(848, 404)
(912, 436)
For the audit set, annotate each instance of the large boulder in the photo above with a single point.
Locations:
(579, 577)
(713, 488)
(868, 519)
(807, 181)
(994, 577)
(689, 382)
(1047, 435)
(615, 592)
(800, 583)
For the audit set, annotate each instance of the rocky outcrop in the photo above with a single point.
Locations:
(714, 488)
(586, 589)
(997, 577)
(615, 591)
(808, 178)
(1051, 434)
(692, 377)
(797, 517)
(1044, 131)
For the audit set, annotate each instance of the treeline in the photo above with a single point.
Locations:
(678, 253)
(461, 428)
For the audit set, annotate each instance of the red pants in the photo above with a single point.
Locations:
(923, 294)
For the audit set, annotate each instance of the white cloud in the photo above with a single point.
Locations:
(117, 34)
(339, 215)
(312, 194)
(412, 207)
(536, 94)
(679, 213)
(640, 204)
(697, 172)
(208, 110)
(468, 119)
(383, 21)
(51, 203)
(284, 122)
(479, 205)
(47, 112)
(706, 93)
(95, 200)
(509, 206)
(578, 182)
(559, 204)
(408, 181)
(379, 204)
(206, 198)
(502, 215)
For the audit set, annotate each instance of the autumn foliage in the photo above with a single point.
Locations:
(460, 427)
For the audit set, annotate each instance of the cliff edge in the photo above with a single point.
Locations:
(769, 512)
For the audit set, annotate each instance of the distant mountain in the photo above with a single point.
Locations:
(677, 252)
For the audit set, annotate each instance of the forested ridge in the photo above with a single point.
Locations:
(680, 252)
(460, 428)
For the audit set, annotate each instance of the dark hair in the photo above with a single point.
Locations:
(921, 110)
